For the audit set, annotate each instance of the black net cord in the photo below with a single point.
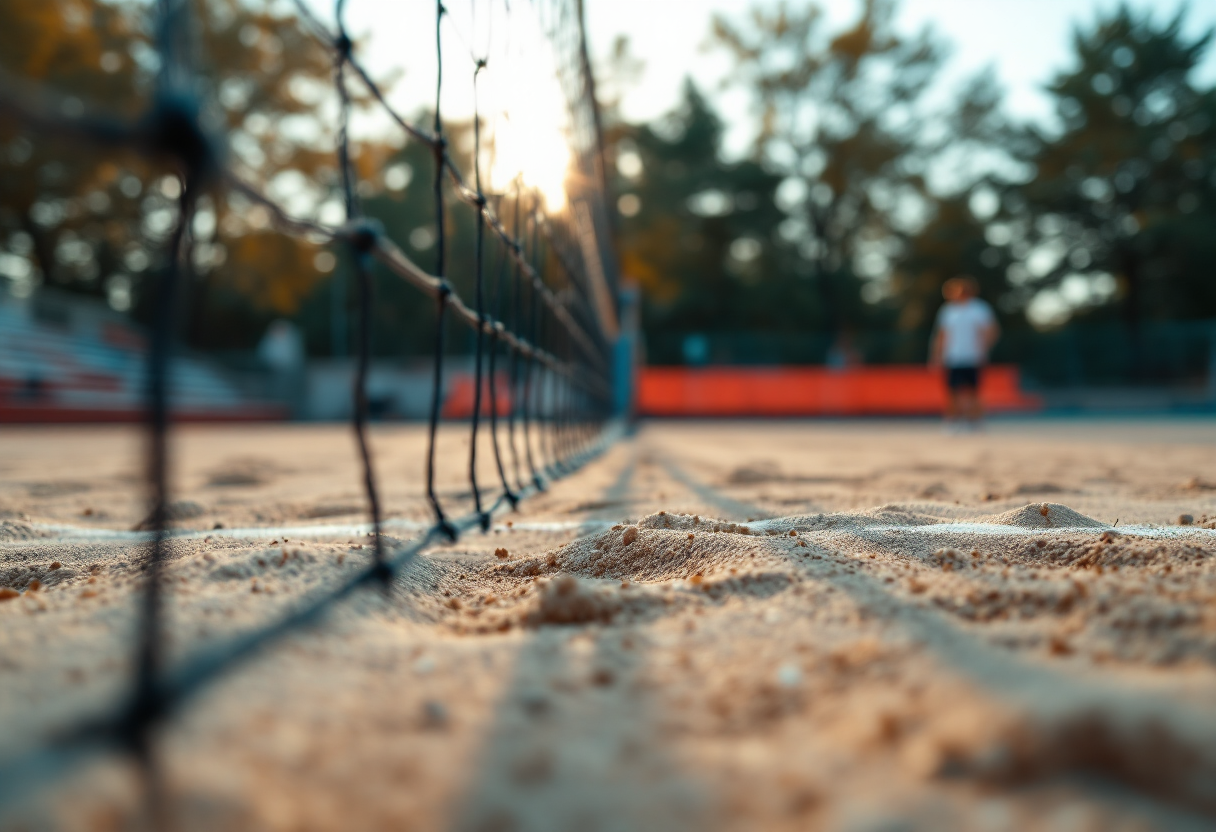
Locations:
(445, 290)
(571, 403)
(547, 328)
(560, 399)
(544, 335)
(179, 135)
(562, 378)
(534, 366)
(479, 336)
(555, 383)
(548, 461)
(573, 397)
(493, 372)
(561, 386)
(361, 243)
(360, 401)
(441, 520)
(514, 356)
(157, 394)
(526, 393)
(147, 705)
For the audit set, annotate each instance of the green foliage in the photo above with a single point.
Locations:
(90, 221)
(950, 244)
(1109, 212)
(837, 179)
(842, 117)
(701, 242)
(840, 221)
(68, 214)
(1127, 187)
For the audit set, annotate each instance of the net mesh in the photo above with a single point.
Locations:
(541, 316)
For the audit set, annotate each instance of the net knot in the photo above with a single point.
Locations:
(444, 527)
(173, 127)
(382, 573)
(363, 234)
(343, 45)
(444, 289)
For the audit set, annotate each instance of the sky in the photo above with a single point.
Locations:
(1025, 41)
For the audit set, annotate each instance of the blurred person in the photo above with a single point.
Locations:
(963, 335)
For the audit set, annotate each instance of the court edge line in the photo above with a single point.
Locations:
(66, 533)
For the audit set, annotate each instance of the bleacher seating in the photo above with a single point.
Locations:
(90, 366)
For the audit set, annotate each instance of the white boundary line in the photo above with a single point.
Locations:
(66, 533)
(992, 529)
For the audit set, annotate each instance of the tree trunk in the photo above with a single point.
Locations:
(44, 249)
(823, 280)
(1130, 266)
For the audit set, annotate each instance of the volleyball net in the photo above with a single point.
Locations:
(537, 296)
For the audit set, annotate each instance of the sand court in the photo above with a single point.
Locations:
(780, 625)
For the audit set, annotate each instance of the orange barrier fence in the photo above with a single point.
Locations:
(901, 390)
(458, 398)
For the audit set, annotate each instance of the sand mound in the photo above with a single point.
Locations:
(663, 562)
(888, 515)
(47, 575)
(12, 530)
(904, 514)
(1045, 516)
(660, 547)
(567, 600)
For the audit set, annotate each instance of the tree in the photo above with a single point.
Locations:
(841, 119)
(269, 87)
(95, 222)
(831, 202)
(66, 214)
(1123, 199)
(696, 232)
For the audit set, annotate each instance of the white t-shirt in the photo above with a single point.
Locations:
(963, 326)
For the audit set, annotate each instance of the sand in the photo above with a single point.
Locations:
(767, 625)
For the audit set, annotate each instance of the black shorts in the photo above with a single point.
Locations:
(963, 378)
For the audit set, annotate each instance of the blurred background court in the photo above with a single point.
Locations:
(790, 188)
